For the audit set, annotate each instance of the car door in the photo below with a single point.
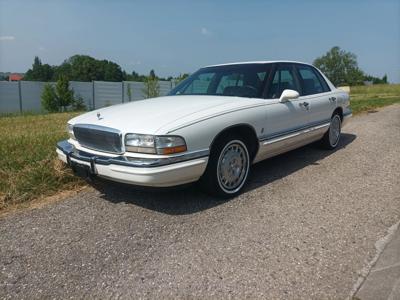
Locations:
(284, 120)
(316, 92)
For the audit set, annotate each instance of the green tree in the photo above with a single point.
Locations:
(376, 80)
(136, 77)
(340, 67)
(152, 74)
(87, 68)
(39, 71)
(49, 98)
(384, 79)
(65, 96)
(151, 87)
(61, 97)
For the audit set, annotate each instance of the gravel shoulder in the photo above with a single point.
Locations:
(304, 228)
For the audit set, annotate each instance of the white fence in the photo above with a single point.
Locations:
(24, 96)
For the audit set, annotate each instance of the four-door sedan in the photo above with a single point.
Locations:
(212, 127)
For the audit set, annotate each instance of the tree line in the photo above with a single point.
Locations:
(339, 65)
(86, 68)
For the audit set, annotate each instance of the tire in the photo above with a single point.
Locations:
(228, 167)
(331, 138)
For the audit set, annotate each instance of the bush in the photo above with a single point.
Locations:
(61, 97)
(64, 94)
(78, 104)
(49, 99)
(151, 86)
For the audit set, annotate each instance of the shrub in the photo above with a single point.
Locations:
(78, 104)
(151, 86)
(61, 97)
(49, 99)
(65, 95)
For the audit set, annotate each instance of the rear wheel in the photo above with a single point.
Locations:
(228, 167)
(332, 137)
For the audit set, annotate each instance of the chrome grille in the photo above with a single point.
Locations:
(98, 138)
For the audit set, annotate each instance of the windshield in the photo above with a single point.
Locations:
(241, 80)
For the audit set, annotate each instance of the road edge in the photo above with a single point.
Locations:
(380, 246)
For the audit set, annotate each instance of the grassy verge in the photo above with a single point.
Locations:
(28, 165)
(29, 168)
(364, 98)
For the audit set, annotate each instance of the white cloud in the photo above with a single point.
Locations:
(205, 31)
(7, 38)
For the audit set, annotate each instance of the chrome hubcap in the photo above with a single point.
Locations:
(334, 131)
(233, 165)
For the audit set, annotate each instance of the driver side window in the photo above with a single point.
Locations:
(284, 78)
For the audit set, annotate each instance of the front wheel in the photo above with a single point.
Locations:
(228, 167)
(331, 138)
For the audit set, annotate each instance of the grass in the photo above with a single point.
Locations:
(28, 165)
(29, 168)
(364, 98)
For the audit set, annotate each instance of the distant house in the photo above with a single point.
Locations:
(15, 77)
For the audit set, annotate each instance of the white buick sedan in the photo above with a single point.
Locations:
(211, 128)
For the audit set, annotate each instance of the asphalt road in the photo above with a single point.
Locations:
(304, 228)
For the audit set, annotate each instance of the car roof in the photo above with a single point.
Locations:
(258, 62)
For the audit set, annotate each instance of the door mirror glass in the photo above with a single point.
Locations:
(288, 95)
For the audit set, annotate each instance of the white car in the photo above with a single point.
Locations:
(212, 127)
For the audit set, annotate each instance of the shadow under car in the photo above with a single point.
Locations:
(189, 199)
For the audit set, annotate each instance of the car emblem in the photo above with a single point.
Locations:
(99, 116)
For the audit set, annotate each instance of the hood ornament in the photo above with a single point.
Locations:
(99, 116)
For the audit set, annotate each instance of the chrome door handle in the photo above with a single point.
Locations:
(305, 105)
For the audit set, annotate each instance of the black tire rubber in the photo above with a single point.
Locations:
(209, 181)
(325, 142)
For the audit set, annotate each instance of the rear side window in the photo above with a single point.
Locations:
(284, 78)
(311, 82)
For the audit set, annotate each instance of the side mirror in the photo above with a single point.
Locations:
(288, 95)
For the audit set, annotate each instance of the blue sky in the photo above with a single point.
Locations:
(175, 37)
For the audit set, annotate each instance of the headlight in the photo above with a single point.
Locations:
(70, 130)
(142, 143)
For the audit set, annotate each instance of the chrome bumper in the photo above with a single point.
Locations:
(169, 171)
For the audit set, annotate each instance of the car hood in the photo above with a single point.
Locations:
(163, 114)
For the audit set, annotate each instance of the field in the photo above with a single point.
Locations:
(364, 98)
(29, 168)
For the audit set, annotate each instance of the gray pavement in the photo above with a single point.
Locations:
(304, 229)
(383, 281)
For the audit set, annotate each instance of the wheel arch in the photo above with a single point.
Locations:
(244, 130)
(338, 110)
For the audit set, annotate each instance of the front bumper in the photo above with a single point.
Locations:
(169, 171)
